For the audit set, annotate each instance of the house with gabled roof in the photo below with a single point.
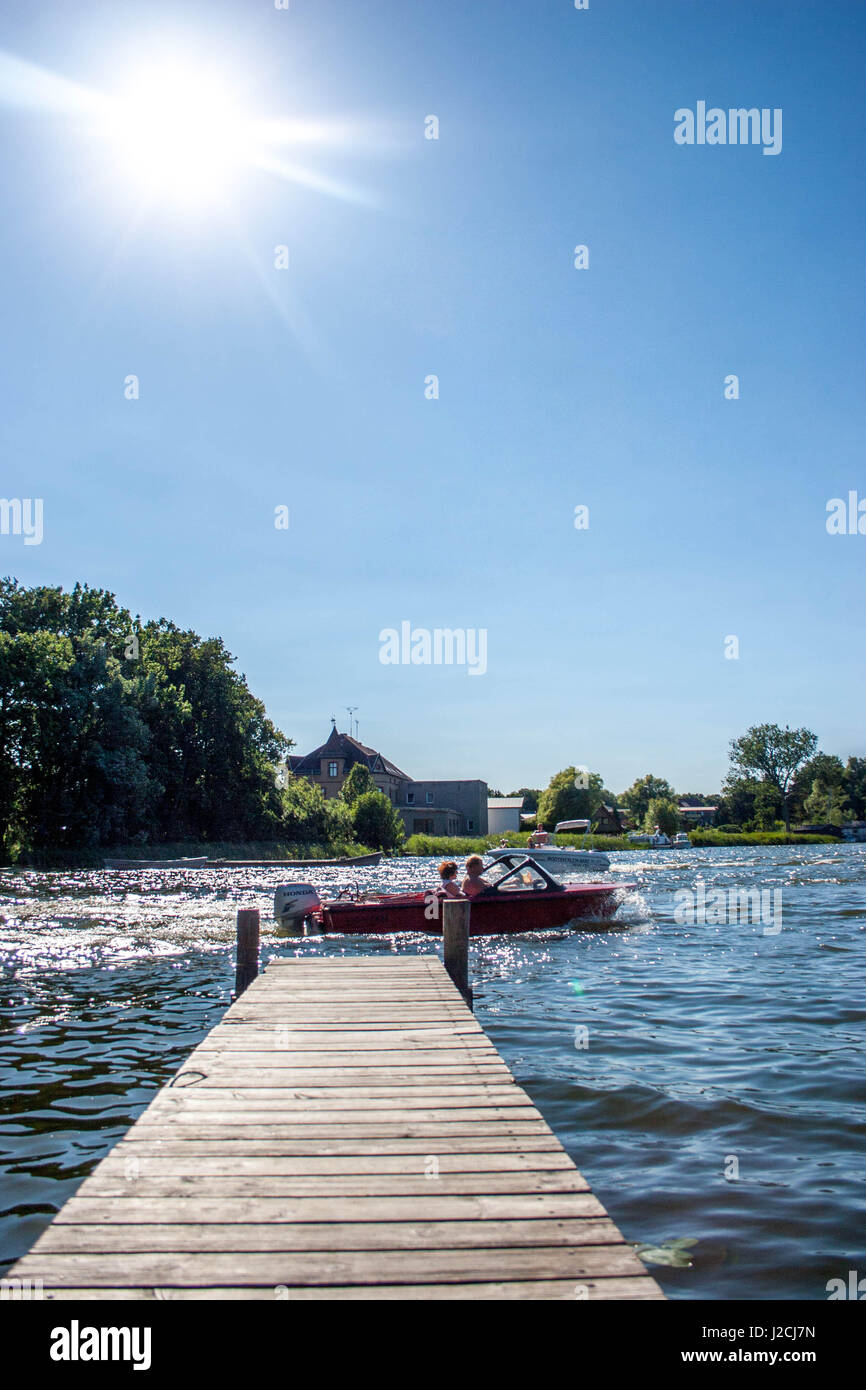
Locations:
(427, 808)
(330, 764)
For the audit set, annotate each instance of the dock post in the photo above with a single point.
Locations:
(455, 938)
(248, 949)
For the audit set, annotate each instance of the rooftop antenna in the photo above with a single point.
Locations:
(350, 710)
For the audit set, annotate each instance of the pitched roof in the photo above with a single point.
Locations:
(343, 746)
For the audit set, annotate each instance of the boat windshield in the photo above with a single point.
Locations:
(529, 879)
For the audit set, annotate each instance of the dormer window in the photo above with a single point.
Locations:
(332, 769)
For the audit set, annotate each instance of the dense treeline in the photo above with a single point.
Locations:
(777, 777)
(113, 731)
(118, 732)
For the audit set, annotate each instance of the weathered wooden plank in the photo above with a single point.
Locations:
(521, 1181)
(241, 1115)
(351, 1060)
(471, 1091)
(309, 1066)
(517, 1158)
(293, 1073)
(353, 1098)
(112, 1270)
(399, 1130)
(331, 1236)
(83, 1210)
(589, 1289)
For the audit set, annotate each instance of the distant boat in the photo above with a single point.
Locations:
(198, 863)
(203, 862)
(562, 859)
(355, 860)
(682, 841)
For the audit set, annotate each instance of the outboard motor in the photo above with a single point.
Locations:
(294, 904)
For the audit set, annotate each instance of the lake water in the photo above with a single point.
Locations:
(707, 1077)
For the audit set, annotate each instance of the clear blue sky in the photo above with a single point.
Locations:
(261, 387)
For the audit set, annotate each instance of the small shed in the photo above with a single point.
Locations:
(606, 821)
(503, 814)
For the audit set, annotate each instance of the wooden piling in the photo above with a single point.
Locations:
(248, 949)
(455, 936)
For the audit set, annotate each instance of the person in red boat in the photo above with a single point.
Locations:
(448, 873)
(473, 883)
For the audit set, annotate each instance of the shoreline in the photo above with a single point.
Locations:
(416, 847)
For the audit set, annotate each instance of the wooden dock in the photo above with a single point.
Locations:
(347, 1131)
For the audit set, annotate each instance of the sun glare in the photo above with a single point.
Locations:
(179, 134)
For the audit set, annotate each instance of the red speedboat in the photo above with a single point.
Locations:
(522, 898)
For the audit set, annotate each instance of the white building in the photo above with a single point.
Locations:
(503, 814)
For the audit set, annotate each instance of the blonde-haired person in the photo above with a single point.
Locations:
(473, 883)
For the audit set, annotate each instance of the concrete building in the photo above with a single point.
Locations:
(445, 808)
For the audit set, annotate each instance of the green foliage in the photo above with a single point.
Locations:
(662, 812)
(855, 787)
(825, 803)
(768, 803)
(774, 754)
(112, 732)
(636, 799)
(377, 822)
(443, 846)
(358, 783)
(562, 800)
(531, 797)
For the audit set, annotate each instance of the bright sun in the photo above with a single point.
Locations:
(180, 134)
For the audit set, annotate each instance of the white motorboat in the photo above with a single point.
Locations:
(562, 860)
(682, 841)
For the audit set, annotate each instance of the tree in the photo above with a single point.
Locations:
(824, 767)
(737, 801)
(855, 786)
(377, 822)
(530, 796)
(825, 803)
(562, 800)
(637, 798)
(664, 813)
(358, 783)
(767, 806)
(112, 732)
(305, 812)
(774, 754)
